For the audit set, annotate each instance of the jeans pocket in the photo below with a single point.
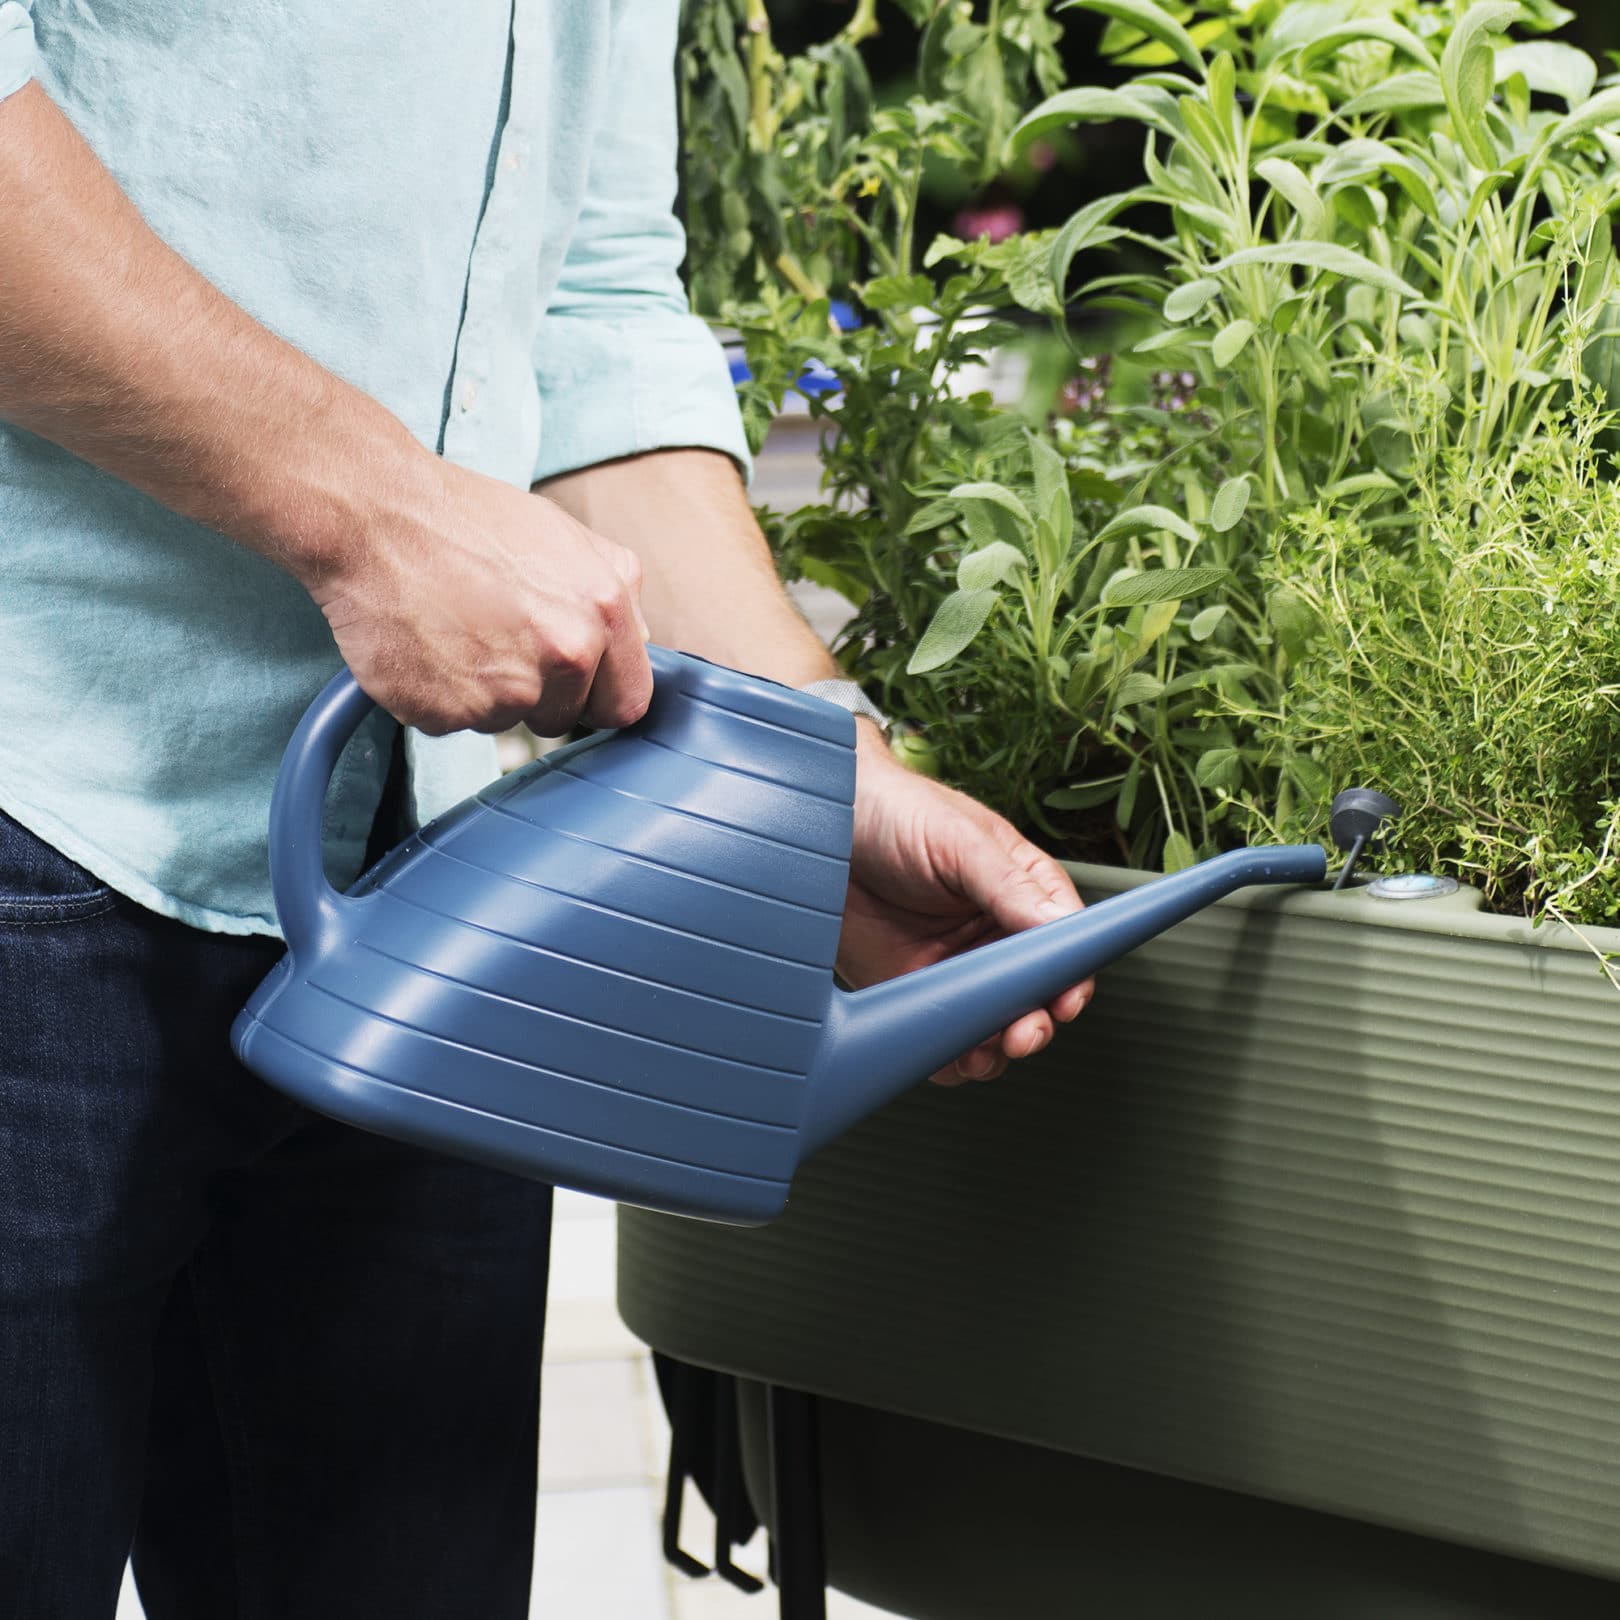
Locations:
(39, 885)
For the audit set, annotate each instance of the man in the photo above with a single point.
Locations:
(298, 302)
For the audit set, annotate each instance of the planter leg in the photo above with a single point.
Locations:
(798, 1553)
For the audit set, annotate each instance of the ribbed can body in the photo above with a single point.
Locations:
(610, 970)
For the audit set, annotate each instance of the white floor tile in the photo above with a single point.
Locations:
(592, 1430)
(587, 1330)
(129, 1606)
(578, 1206)
(597, 1557)
(582, 1260)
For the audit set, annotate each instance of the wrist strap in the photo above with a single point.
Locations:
(848, 695)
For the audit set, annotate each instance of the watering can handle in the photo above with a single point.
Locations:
(306, 904)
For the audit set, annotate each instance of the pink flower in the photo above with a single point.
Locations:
(993, 223)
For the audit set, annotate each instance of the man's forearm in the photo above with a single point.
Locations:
(115, 348)
(457, 600)
(708, 583)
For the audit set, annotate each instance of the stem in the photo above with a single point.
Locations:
(863, 24)
(758, 24)
(794, 274)
(905, 231)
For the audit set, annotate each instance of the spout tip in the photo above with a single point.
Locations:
(1307, 863)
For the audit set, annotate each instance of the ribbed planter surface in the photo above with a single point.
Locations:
(1319, 1201)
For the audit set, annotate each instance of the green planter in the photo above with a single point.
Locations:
(1318, 1203)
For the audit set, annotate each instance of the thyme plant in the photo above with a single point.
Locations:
(1473, 672)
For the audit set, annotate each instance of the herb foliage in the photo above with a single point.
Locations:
(1363, 280)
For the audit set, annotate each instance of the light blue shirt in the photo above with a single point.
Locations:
(466, 211)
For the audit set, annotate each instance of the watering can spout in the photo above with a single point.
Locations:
(880, 1041)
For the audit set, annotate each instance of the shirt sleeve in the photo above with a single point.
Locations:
(16, 46)
(622, 363)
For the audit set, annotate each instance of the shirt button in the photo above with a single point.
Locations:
(514, 161)
(469, 395)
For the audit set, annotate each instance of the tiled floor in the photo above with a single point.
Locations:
(603, 1442)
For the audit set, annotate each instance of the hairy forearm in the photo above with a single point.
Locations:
(708, 583)
(115, 348)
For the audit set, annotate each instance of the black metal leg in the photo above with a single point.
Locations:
(682, 1421)
(727, 1486)
(800, 1554)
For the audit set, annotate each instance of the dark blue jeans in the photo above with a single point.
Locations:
(296, 1368)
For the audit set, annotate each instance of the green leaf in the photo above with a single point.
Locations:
(1178, 853)
(1362, 484)
(1286, 315)
(960, 618)
(1087, 105)
(1231, 502)
(1125, 804)
(1289, 182)
(1029, 277)
(1155, 622)
(1310, 777)
(1552, 68)
(1324, 256)
(1189, 300)
(1205, 624)
(942, 247)
(1084, 795)
(1084, 229)
(1143, 520)
(1230, 342)
(1383, 29)
(902, 292)
(1544, 16)
(1360, 160)
(1151, 20)
(1468, 75)
(934, 57)
(1173, 337)
(935, 515)
(1138, 687)
(1222, 87)
(1228, 674)
(1149, 53)
(990, 565)
(1601, 110)
(1055, 510)
(834, 579)
(998, 496)
(1162, 585)
(1293, 618)
(1403, 92)
(1218, 768)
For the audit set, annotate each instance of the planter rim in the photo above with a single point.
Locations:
(1456, 916)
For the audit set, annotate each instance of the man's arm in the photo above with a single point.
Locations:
(932, 872)
(456, 600)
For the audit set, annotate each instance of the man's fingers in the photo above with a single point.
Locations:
(624, 683)
(1028, 1035)
(1073, 1002)
(1009, 878)
(563, 694)
(1021, 887)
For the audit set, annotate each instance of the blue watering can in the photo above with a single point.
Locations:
(613, 969)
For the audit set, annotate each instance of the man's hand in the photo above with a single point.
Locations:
(489, 607)
(935, 873)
